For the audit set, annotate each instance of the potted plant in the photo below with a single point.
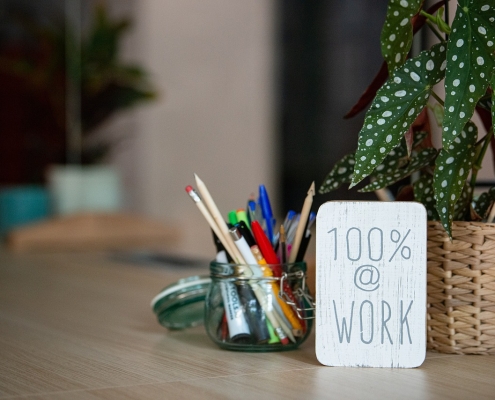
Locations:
(53, 69)
(395, 143)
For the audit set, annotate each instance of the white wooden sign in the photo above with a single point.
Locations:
(371, 284)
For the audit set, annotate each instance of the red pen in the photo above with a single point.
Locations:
(266, 248)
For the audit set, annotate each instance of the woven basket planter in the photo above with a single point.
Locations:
(461, 288)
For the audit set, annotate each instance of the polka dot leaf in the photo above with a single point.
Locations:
(397, 158)
(470, 63)
(421, 160)
(461, 208)
(397, 32)
(423, 192)
(452, 167)
(418, 138)
(341, 173)
(395, 107)
(484, 202)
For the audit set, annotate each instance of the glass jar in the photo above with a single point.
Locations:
(270, 310)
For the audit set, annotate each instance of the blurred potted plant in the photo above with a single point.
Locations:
(104, 85)
(394, 143)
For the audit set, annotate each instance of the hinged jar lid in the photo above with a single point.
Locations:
(181, 304)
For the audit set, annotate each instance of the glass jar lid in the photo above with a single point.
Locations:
(181, 304)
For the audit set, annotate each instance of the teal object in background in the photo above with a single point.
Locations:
(21, 205)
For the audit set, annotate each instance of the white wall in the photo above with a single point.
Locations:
(212, 61)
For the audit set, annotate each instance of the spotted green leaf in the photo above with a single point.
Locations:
(397, 33)
(421, 160)
(452, 168)
(423, 192)
(461, 208)
(486, 101)
(470, 63)
(484, 202)
(397, 158)
(341, 173)
(418, 138)
(395, 107)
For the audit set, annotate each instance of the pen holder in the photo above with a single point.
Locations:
(270, 310)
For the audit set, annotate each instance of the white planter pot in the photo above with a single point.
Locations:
(76, 188)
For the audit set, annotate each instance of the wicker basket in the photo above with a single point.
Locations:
(461, 288)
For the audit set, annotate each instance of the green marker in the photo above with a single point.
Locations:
(273, 337)
(242, 216)
(233, 217)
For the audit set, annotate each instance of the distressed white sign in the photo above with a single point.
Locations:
(371, 284)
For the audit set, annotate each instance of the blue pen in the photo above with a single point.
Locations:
(251, 210)
(266, 211)
(288, 219)
(311, 220)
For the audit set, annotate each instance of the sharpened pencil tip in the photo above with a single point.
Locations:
(312, 189)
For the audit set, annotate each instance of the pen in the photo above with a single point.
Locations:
(304, 246)
(282, 245)
(290, 231)
(301, 227)
(246, 233)
(288, 219)
(265, 246)
(266, 211)
(251, 210)
(312, 219)
(255, 316)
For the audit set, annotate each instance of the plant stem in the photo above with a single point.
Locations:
(435, 31)
(437, 98)
(481, 155)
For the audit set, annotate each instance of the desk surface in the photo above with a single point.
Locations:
(79, 326)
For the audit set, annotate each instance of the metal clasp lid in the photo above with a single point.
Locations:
(299, 292)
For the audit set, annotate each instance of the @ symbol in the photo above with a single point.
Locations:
(367, 278)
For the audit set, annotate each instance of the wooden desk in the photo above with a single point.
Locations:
(79, 326)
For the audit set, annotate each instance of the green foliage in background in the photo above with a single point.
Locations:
(93, 66)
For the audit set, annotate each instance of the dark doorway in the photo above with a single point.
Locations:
(330, 52)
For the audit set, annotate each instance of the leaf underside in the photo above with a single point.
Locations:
(341, 173)
(423, 192)
(484, 203)
(421, 160)
(452, 168)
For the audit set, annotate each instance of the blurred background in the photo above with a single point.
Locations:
(142, 94)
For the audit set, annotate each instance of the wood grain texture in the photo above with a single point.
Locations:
(371, 284)
(79, 326)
